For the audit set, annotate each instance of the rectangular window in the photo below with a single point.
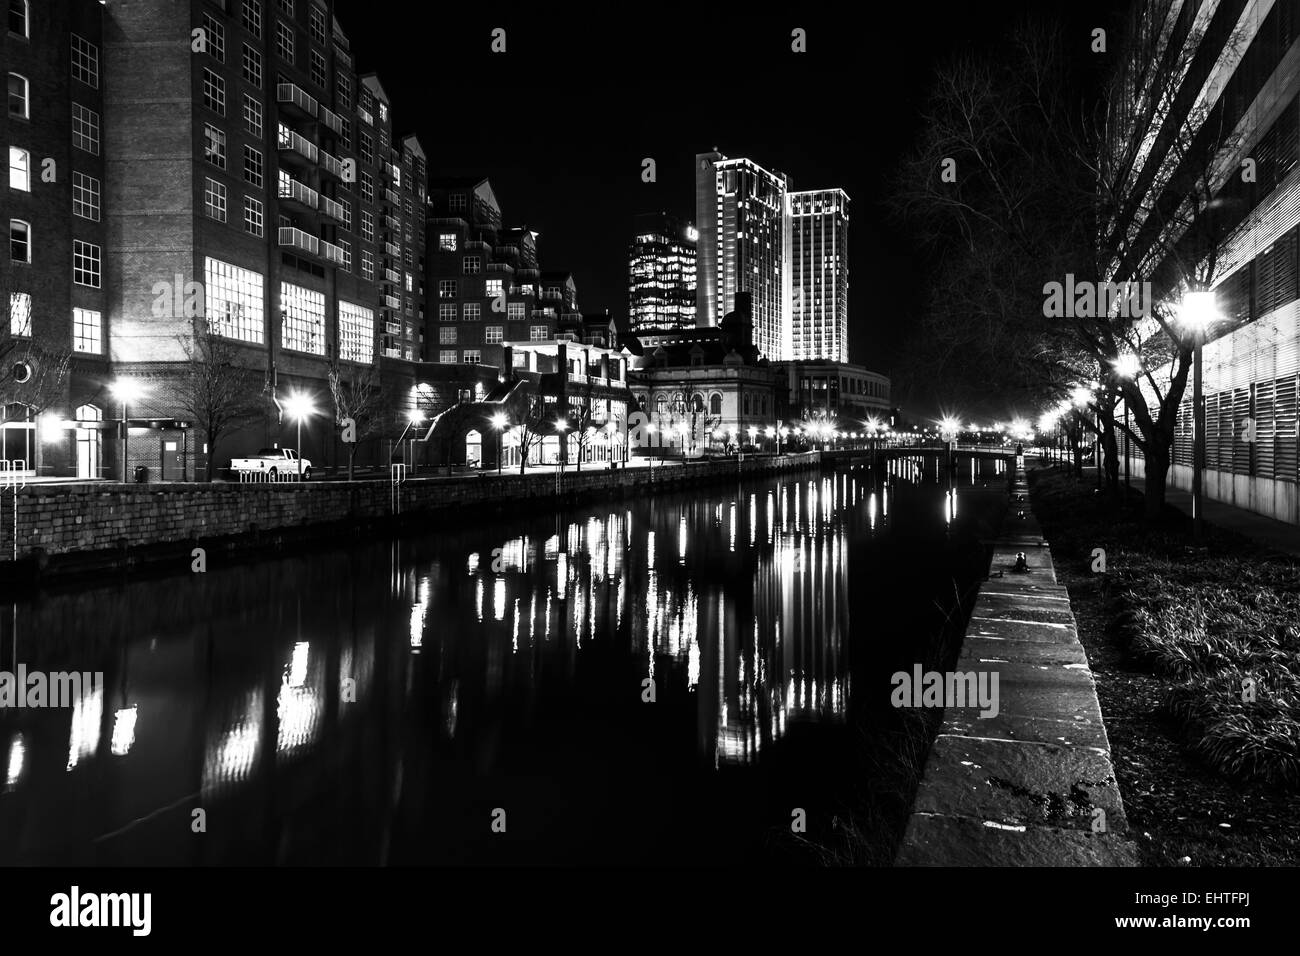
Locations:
(87, 331)
(253, 116)
(473, 265)
(214, 92)
(472, 357)
(356, 333)
(447, 242)
(214, 34)
(20, 241)
(234, 301)
(253, 66)
(20, 313)
(447, 312)
(367, 187)
(447, 356)
(367, 265)
(473, 312)
(347, 255)
(86, 264)
(284, 41)
(515, 311)
(368, 226)
(343, 87)
(457, 202)
(85, 196)
(254, 218)
(447, 288)
(495, 288)
(286, 6)
(316, 23)
(303, 314)
(214, 145)
(493, 335)
(85, 61)
(253, 166)
(214, 199)
(253, 18)
(347, 213)
(367, 147)
(20, 104)
(538, 333)
(318, 69)
(85, 129)
(447, 335)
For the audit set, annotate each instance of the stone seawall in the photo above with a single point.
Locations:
(1033, 785)
(65, 525)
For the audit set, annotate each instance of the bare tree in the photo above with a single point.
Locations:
(533, 426)
(215, 390)
(33, 369)
(359, 403)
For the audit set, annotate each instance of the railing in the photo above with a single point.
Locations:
(297, 239)
(393, 223)
(392, 301)
(393, 328)
(331, 165)
(333, 209)
(366, 115)
(289, 140)
(391, 196)
(331, 119)
(293, 94)
(290, 188)
(393, 353)
(392, 275)
(393, 249)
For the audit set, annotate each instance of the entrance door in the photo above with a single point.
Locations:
(88, 451)
(173, 457)
(473, 449)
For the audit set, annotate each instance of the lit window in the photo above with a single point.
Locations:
(85, 196)
(234, 301)
(85, 264)
(495, 288)
(214, 200)
(473, 264)
(85, 129)
(472, 357)
(447, 288)
(85, 61)
(253, 216)
(447, 312)
(493, 335)
(447, 335)
(253, 116)
(538, 333)
(20, 313)
(447, 356)
(87, 331)
(20, 169)
(303, 312)
(356, 333)
(447, 242)
(214, 92)
(19, 99)
(473, 311)
(214, 146)
(20, 241)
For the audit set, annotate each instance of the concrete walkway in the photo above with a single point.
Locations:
(1265, 531)
(1034, 784)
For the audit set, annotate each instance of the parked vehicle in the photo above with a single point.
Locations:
(276, 464)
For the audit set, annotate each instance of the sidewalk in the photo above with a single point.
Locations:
(1267, 532)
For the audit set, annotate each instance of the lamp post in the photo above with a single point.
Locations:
(300, 407)
(499, 422)
(126, 390)
(1127, 368)
(562, 449)
(1196, 313)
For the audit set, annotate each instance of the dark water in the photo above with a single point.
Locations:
(385, 703)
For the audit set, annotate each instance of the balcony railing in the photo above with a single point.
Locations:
(366, 115)
(393, 353)
(296, 100)
(393, 328)
(333, 209)
(331, 165)
(499, 267)
(392, 223)
(392, 249)
(291, 143)
(392, 301)
(331, 119)
(292, 238)
(390, 196)
(392, 275)
(293, 191)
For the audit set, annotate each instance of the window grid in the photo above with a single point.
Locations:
(253, 116)
(252, 66)
(252, 15)
(20, 313)
(85, 129)
(85, 61)
(253, 216)
(284, 41)
(85, 196)
(356, 333)
(214, 145)
(234, 298)
(20, 241)
(87, 331)
(253, 166)
(19, 96)
(86, 264)
(303, 318)
(216, 37)
(214, 199)
(214, 92)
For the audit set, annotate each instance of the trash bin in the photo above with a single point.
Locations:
(141, 474)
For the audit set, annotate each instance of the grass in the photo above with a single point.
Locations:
(1196, 651)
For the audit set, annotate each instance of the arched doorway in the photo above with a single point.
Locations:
(473, 448)
(89, 453)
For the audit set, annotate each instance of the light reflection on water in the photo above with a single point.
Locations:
(389, 672)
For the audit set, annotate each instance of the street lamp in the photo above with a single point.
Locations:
(1197, 312)
(781, 434)
(499, 422)
(126, 390)
(561, 450)
(611, 430)
(299, 407)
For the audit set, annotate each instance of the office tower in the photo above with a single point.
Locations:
(819, 259)
(661, 273)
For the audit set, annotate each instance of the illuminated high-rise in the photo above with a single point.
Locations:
(661, 273)
(742, 212)
(819, 258)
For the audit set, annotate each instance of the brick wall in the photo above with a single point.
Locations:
(61, 519)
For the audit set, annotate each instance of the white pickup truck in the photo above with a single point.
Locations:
(276, 464)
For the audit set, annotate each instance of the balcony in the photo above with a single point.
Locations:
(391, 197)
(331, 165)
(393, 353)
(296, 149)
(499, 267)
(392, 249)
(295, 101)
(291, 238)
(393, 328)
(332, 209)
(392, 301)
(392, 224)
(292, 191)
(331, 119)
(393, 276)
(366, 115)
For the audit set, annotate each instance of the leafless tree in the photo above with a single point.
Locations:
(532, 427)
(215, 390)
(359, 402)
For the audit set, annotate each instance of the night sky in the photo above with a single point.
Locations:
(561, 122)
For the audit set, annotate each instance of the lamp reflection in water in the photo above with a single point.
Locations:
(83, 740)
(123, 731)
(14, 765)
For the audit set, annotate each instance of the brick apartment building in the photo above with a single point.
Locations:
(218, 160)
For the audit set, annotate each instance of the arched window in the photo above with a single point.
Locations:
(20, 241)
(697, 402)
(18, 17)
(20, 169)
(661, 406)
(88, 448)
(747, 404)
(19, 102)
(715, 404)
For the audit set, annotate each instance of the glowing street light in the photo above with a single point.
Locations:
(1196, 313)
(500, 423)
(299, 406)
(126, 391)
